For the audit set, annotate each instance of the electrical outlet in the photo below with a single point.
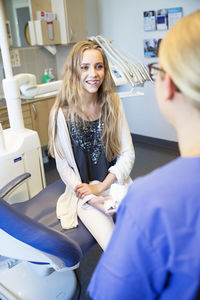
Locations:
(15, 58)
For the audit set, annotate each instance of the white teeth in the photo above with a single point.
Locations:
(92, 82)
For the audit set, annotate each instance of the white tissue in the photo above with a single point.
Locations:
(117, 192)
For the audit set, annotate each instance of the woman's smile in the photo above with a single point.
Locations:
(92, 70)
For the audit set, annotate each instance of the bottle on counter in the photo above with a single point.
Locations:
(46, 77)
(51, 75)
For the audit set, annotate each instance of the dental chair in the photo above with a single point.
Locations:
(37, 256)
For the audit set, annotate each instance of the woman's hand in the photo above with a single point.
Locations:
(98, 202)
(85, 189)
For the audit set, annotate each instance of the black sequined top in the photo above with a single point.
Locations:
(88, 149)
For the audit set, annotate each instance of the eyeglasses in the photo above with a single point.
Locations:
(153, 70)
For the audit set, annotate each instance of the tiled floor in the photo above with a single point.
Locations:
(148, 157)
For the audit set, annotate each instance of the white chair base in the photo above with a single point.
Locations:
(21, 281)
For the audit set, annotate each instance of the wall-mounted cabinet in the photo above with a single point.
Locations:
(72, 17)
(69, 26)
(44, 33)
(25, 27)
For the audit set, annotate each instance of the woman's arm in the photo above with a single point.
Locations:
(98, 202)
(125, 160)
(85, 189)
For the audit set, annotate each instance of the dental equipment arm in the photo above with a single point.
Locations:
(123, 70)
(136, 73)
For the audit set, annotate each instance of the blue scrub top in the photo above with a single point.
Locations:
(154, 252)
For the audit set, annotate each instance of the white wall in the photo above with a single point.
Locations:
(122, 21)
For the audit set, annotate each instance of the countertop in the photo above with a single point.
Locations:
(31, 100)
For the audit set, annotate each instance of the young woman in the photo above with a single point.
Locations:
(90, 140)
(156, 240)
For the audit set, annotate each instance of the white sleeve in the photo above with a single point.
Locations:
(66, 172)
(68, 175)
(125, 160)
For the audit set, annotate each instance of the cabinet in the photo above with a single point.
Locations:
(69, 26)
(26, 115)
(40, 118)
(41, 6)
(71, 15)
(35, 115)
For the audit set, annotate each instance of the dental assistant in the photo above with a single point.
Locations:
(154, 252)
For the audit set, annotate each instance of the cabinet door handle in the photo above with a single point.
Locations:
(71, 34)
(34, 111)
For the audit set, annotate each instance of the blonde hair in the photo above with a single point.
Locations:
(70, 98)
(179, 55)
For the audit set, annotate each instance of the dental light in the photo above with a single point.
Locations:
(123, 69)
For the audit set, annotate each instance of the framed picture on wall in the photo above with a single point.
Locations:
(174, 14)
(150, 47)
(149, 20)
(162, 19)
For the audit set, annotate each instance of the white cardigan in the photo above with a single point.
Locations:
(67, 168)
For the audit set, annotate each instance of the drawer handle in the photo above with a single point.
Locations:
(34, 111)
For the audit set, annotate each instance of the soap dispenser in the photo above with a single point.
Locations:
(52, 77)
(46, 77)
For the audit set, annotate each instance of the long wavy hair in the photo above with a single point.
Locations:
(70, 99)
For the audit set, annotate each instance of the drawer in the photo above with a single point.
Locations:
(25, 107)
(3, 114)
(27, 120)
(26, 114)
(5, 123)
(28, 126)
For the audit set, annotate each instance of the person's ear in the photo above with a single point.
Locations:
(170, 88)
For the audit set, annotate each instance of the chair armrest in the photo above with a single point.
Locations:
(13, 184)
